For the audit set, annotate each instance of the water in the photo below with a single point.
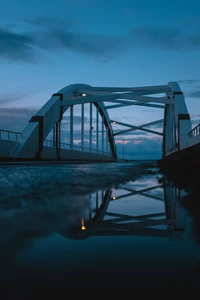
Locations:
(106, 226)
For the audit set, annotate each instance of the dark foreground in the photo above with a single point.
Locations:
(96, 227)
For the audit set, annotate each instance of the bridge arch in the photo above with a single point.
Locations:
(176, 120)
(51, 114)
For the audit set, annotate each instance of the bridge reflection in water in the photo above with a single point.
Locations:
(135, 234)
(130, 211)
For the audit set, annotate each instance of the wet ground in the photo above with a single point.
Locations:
(108, 226)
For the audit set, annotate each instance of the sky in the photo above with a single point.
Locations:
(47, 45)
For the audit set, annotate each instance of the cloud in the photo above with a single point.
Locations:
(190, 87)
(5, 99)
(16, 46)
(45, 34)
(156, 36)
(158, 126)
(47, 21)
(48, 34)
(76, 120)
(15, 119)
(141, 148)
(194, 94)
(98, 46)
(188, 81)
(165, 38)
(135, 132)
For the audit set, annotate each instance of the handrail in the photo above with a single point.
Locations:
(74, 147)
(195, 131)
(9, 134)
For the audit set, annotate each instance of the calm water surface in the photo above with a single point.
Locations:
(106, 226)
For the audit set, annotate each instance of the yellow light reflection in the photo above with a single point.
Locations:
(82, 224)
(114, 198)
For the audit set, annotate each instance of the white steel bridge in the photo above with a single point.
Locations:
(33, 142)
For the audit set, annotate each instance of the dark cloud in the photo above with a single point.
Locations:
(165, 38)
(50, 35)
(131, 133)
(98, 46)
(194, 94)
(190, 87)
(195, 122)
(158, 37)
(17, 111)
(188, 81)
(15, 119)
(16, 46)
(4, 99)
(76, 120)
(158, 126)
(46, 34)
(47, 21)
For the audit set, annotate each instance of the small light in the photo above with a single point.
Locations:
(114, 198)
(114, 122)
(82, 224)
(83, 95)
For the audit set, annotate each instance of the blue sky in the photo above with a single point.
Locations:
(46, 45)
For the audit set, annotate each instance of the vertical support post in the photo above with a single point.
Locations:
(169, 143)
(58, 139)
(107, 139)
(90, 127)
(102, 133)
(182, 118)
(54, 136)
(71, 126)
(82, 126)
(90, 209)
(97, 201)
(97, 128)
(123, 148)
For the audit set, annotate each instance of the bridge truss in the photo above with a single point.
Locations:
(176, 120)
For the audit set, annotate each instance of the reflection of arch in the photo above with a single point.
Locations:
(174, 218)
(76, 232)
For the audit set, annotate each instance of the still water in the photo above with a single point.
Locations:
(102, 226)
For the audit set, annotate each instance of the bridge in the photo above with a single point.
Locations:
(41, 138)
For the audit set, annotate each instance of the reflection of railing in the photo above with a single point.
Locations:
(10, 135)
(195, 131)
(50, 143)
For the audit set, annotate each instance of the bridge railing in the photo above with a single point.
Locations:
(195, 131)
(14, 136)
(50, 143)
(10, 135)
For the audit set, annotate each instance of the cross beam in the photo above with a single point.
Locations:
(140, 127)
(128, 103)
